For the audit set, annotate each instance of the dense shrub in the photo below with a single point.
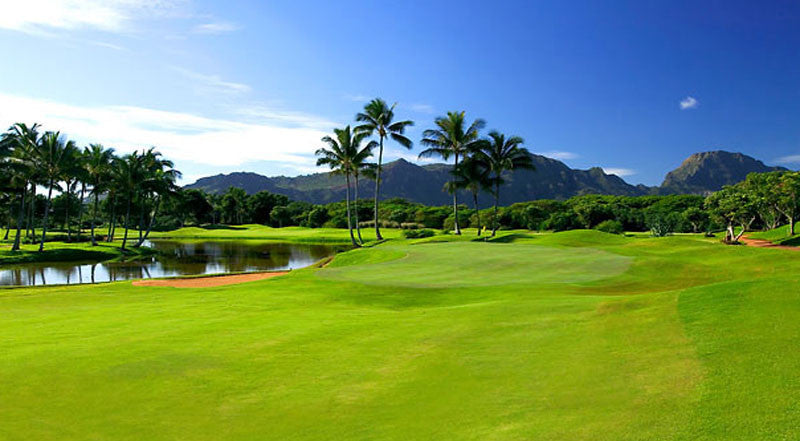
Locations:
(418, 234)
(610, 226)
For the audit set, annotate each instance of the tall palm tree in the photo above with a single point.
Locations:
(377, 119)
(22, 139)
(368, 169)
(340, 156)
(128, 174)
(50, 157)
(159, 181)
(98, 170)
(472, 175)
(452, 138)
(503, 155)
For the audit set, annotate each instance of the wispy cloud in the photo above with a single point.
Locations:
(356, 98)
(689, 103)
(286, 138)
(561, 156)
(789, 159)
(421, 108)
(621, 172)
(212, 83)
(44, 16)
(216, 28)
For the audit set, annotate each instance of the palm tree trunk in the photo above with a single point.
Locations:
(141, 217)
(30, 228)
(20, 218)
(46, 215)
(358, 227)
(349, 219)
(94, 216)
(112, 222)
(378, 190)
(127, 217)
(80, 211)
(150, 225)
(66, 215)
(477, 210)
(455, 202)
(496, 200)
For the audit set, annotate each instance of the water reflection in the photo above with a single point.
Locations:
(175, 258)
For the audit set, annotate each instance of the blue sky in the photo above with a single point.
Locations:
(631, 86)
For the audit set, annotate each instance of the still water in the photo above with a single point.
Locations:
(174, 258)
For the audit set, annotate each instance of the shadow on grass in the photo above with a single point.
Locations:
(222, 227)
(508, 238)
(792, 242)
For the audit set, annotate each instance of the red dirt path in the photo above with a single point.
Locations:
(208, 282)
(759, 243)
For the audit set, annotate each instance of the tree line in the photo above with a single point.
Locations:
(97, 188)
(136, 183)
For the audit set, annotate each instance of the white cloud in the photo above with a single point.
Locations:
(216, 28)
(561, 156)
(44, 16)
(287, 137)
(689, 103)
(790, 159)
(621, 172)
(356, 98)
(213, 83)
(421, 108)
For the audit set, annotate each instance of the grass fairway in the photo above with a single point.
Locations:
(568, 336)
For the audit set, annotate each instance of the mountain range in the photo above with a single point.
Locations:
(701, 173)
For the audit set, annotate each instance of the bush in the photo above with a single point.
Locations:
(418, 234)
(561, 221)
(411, 226)
(610, 226)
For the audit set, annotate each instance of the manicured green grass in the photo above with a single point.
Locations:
(286, 234)
(568, 336)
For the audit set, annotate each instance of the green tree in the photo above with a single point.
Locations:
(733, 206)
(51, 156)
(97, 164)
(502, 155)
(787, 197)
(472, 175)
(158, 183)
(378, 119)
(234, 205)
(452, 137)
(343, 156)
(20, 141)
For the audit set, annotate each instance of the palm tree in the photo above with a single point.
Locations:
(503, 155)
(22, 140)
(368, 169)
(98, 170)
(340, 157)
(50, 157)
(452, 138)
(377, 118)
(159, 181)
(473, 175)
(128, 174)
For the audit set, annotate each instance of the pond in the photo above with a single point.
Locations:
(174, 258)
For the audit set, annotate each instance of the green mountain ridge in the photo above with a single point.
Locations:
(701, 173)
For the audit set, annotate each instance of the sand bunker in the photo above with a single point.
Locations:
(208, 282)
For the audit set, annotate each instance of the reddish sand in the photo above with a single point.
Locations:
(207, 282)
(759, 243)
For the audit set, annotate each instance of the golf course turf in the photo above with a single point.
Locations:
(566, 336)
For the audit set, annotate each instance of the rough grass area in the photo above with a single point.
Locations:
(578, 335)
